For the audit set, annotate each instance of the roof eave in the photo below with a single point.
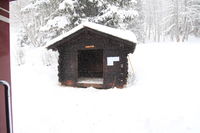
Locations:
(55, 45)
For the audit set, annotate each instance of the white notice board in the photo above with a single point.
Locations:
(111, 60)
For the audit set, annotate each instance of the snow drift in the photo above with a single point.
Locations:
(163, 97)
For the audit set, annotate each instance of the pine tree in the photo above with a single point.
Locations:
(196, 22)
(181, 19)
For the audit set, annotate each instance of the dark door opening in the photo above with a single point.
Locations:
(90, 64)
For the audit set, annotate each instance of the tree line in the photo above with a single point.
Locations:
(157, 20)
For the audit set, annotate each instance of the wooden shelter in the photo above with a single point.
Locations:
(93, 55)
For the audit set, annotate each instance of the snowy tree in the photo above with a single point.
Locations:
(181, 19)
(137, 23)
(113, 13)
(188, 14)
(154, 13)
(196, 24)
(34, 16)
(69, 14)
(174, 18)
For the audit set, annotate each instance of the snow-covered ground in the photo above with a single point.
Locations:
(163, 98)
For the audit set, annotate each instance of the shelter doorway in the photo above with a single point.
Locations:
(90, 66)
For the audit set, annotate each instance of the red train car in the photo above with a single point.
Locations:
(5, 79)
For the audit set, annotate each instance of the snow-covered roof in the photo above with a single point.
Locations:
(122, 34)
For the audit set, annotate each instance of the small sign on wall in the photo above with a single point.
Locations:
(90, 46)
(111, 60)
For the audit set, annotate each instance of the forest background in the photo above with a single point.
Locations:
(38, 21)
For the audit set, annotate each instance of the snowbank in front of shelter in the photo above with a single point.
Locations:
(162, 98)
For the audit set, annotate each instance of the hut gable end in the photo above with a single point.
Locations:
(88, 36)
(120, 35)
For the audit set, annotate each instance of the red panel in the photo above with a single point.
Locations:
(4, 71)
(3, 127)
(4, 52)
(4, 4)
(4, 62)
(4, 13)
